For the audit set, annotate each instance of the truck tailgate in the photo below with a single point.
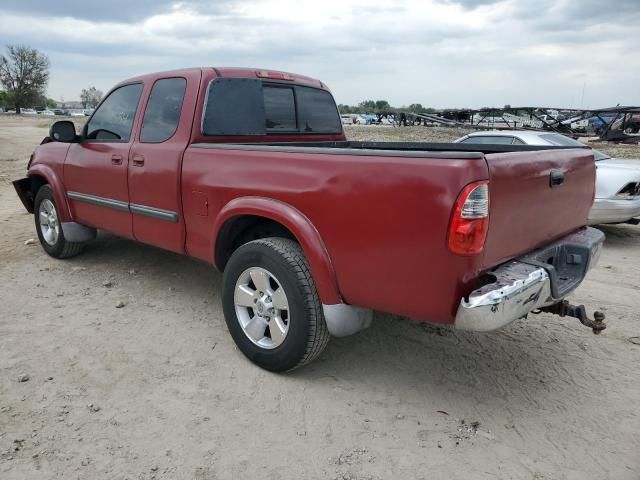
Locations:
(526, 211)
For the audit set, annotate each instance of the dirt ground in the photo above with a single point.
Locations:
(157, 389)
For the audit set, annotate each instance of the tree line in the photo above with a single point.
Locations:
(382, 107)
(24, 75)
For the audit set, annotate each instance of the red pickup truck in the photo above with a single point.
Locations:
(250, 170)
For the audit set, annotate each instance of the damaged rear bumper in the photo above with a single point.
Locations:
(539, 279)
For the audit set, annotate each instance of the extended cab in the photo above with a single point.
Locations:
(250, 171)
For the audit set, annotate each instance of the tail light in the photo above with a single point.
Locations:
(470, 220)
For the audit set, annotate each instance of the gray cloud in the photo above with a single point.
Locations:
(114, 10)
(449, 53)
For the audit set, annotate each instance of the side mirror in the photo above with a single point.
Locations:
(63, 131)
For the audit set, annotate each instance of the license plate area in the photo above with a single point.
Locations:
(567, 260)
(566, 265)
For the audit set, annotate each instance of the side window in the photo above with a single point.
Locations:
(163, 110)
(318, 112)
(280, 108)
(114, 118)
(517, 141)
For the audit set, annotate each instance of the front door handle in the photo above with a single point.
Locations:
(116, 159)
(138, 161)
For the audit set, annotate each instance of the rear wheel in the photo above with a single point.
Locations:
(271, 305)
(49, 227)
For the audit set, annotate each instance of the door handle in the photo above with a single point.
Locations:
(116, 159)
(138, 161)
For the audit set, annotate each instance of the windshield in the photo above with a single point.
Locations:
(562, 141)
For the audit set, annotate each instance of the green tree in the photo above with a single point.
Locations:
(90, 97)
(5, 100)
(51, 103)
(368, 106)
(24, 73)
(382, 106)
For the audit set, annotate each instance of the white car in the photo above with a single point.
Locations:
(347, 119)
(617, 180)
(47, 113)
(28, 111)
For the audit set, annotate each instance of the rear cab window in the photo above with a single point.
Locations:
(162, 114)
(239, 106)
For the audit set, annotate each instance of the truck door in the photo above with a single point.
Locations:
(95, 170)
(156, 158)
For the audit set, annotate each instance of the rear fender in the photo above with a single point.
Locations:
(56, 186)
(301, 228)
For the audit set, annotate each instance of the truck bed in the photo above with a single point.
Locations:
(380, 208)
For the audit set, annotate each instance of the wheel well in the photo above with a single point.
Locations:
(243, 229)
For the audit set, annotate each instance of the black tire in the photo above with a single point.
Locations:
(307, 334)
(61, 248)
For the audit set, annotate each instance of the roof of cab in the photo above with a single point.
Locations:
(235, 72)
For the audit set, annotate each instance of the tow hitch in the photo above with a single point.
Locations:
(565, 309)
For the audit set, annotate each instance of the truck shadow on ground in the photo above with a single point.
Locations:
(623, 235)
(526, 360)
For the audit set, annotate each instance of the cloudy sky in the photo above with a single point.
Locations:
(441, 53)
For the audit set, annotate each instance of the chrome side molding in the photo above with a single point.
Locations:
(158, 213)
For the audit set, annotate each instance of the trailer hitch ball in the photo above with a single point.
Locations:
(565, 309)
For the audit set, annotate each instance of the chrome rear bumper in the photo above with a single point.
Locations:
(529, 282)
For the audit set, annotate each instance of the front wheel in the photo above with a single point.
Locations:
(49, 227)
(271, 305)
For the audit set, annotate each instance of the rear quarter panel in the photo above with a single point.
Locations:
(383, 220)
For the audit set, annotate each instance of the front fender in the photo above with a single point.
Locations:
(301, 228)
(57, 187)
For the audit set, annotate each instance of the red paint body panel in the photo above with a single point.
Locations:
(89, 169)
(48, 162)
(156, 182)
(525, 213)
(384, 230)
(373, 226)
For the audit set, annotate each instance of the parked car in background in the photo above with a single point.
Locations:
(314, 232)
(28, 111)
(88, 111)
(59, 111)
(47, 113)
(76, 113)
(347, 119)
(617, 198)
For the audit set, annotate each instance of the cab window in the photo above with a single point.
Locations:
(162, 114)
(113, 120)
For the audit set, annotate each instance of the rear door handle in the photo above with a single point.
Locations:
(138, 161)
(116, 159)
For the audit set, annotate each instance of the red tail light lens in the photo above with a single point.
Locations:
(470, 220)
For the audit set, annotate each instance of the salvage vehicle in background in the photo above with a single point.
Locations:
(617, 197)
(250, 171)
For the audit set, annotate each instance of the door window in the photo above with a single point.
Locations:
(113, 119)
(163, 110)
